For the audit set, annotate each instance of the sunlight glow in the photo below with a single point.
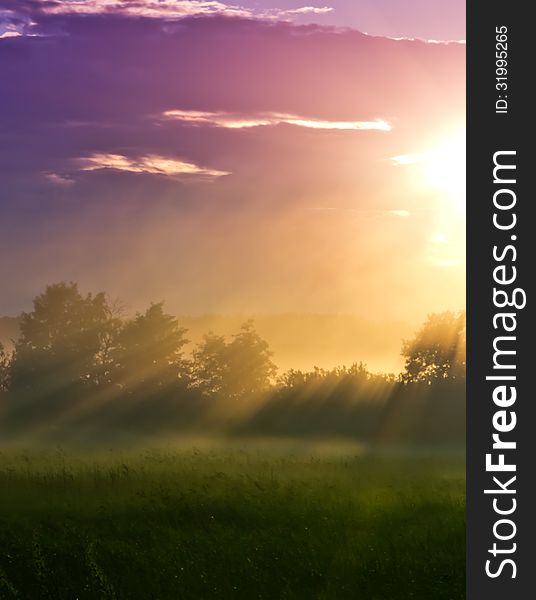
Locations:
(439, 238)
(445, 170)
(441, 169)
(438, 176)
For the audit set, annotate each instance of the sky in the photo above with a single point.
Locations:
(253, 157)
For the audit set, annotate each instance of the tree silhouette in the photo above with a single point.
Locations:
(438, 349)
(250, 363)
(96, 368)
(209, 366)
(61, 341)
(241, 369)
(148, 353)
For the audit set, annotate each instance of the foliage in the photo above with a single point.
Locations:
(80, 363)
(5, 369)
(438, 349)
(61, 341)
(148, 351)
(237, 370)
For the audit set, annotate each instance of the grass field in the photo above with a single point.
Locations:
(224, 522)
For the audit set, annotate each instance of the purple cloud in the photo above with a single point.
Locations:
(197, 145)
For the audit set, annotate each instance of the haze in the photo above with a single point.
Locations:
(233, 163)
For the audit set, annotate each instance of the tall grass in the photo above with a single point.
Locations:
(230, 522)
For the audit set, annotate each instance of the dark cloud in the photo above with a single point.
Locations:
(97, 83)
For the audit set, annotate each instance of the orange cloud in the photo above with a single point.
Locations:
(230, 121)
(158, 165)
(9, 34)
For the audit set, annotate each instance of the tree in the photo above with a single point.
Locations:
(149, 351)
(241, 369)
(437, 351)
(250, 363)
(209, 366)
(61, 341)
(5, 369)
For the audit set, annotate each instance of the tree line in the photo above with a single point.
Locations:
(79, 362)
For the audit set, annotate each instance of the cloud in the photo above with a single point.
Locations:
(378, 124)
(305, 10)
(59, 180)
(153, 164)
(126, 73)
(230, 121)
(256, 98)
(144, 8)
(201, 64)
(171, 9)
(225, 120)
(13, 22)
(10, 34)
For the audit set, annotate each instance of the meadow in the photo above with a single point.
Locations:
(248, 520)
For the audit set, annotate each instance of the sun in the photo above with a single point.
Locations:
(438, 174)
(443, 169)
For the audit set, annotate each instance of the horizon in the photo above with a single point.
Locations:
(298, 340)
